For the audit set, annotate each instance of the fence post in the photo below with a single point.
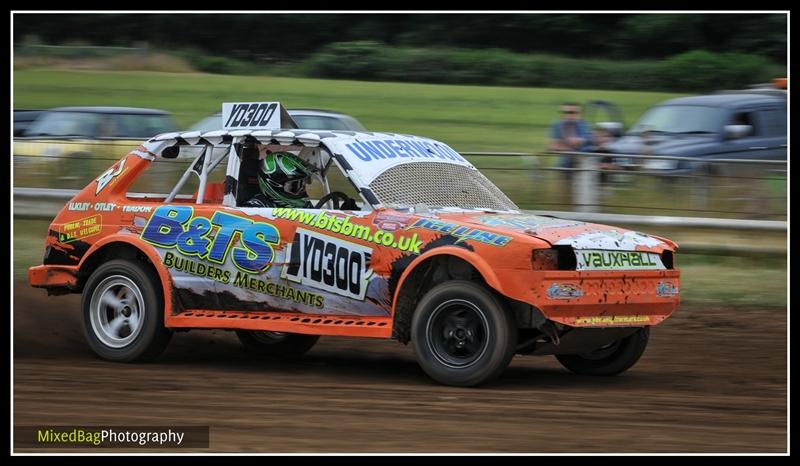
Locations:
(585, 187)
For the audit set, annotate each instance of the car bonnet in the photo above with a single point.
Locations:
(562, 232)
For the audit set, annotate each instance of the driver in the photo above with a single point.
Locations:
(282, 180)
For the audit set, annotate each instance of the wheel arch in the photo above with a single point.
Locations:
(123, 247)
(430, 269)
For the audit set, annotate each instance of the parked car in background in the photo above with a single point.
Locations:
(304, 117)
(91, 131)
(23, 118)
(323, 119)
(602, 114)
(743, 124)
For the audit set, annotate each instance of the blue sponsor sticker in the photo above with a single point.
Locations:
(564, 291)
(666, 289)
(462, 232)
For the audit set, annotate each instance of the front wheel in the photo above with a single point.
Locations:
(611, 359)
(123, 312)
(462, 334)
(266, 344)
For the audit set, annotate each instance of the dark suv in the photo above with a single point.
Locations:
(748, 124)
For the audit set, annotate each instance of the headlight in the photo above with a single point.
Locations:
(544, 259)
(668, 259)
(555, 258)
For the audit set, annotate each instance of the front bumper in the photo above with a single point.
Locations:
(53, 276)
(608, 298)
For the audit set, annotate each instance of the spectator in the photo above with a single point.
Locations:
(569, 134)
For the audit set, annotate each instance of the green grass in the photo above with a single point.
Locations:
(704, 279)
(733, 280)
(468, 118)
(29, 241)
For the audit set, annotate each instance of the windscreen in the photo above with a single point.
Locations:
(680, 119)
(438, 185)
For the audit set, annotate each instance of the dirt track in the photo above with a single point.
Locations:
(712, 380)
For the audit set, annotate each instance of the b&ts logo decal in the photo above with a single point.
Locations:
(328, 263)
(176, 227)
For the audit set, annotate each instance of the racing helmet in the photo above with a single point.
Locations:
(282, 177)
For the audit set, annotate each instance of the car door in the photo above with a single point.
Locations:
(322, 261)
(771, 192)
(772, 119)
(330, 254)
(763, 143)
(753, 146)
(745, 147)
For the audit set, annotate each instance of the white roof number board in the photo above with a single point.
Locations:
(251, 115)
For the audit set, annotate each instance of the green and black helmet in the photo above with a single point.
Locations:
(282, 177)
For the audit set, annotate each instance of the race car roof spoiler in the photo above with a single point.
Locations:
(167, 146)
(287, 137)
(352, 151)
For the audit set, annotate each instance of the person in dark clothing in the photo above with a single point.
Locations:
(569, 134)
(282, 180)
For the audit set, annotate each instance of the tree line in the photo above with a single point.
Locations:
(294, 37)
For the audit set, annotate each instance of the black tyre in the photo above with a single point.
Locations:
(123, 312)
(462, 334)
(611, 359)
(267, 344)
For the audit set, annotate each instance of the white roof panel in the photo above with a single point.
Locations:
(368, 154)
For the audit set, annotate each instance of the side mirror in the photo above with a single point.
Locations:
(737, 131)
(613, 127)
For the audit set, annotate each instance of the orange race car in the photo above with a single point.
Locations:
(407, 241)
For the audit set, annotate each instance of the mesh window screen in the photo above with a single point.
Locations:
(439, 185)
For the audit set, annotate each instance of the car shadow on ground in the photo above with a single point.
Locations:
(342, 360)
(54, 337)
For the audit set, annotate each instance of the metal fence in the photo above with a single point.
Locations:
(44, 204)
(642, 185)
(713, 193)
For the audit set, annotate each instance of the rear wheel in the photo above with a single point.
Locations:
(123, 312)
(266, 343)
(462, 334)
(611, 359)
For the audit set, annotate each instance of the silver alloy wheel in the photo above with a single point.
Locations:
(117, 311)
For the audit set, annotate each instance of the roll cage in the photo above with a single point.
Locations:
(249, 146)
(385, 169)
